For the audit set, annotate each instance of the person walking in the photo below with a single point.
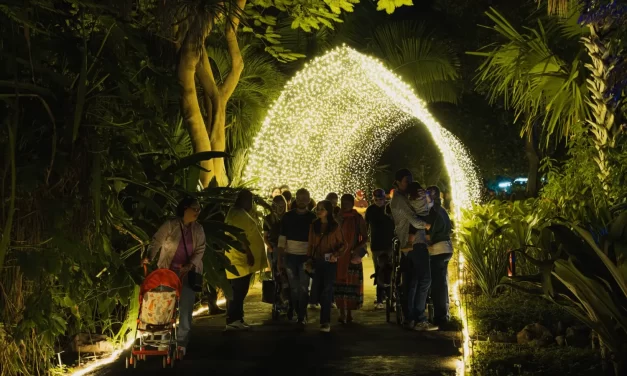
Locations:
(293, 247)
(181, 243)
(249, 259)
(349, 285)
(326, 246)
(381, 229)
(419, 275)
(272, 228)
(440, 253)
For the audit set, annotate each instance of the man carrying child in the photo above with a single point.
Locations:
(408, 206)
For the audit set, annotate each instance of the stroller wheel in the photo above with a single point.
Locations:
(127, 362)
(172, 360)
(165, 361)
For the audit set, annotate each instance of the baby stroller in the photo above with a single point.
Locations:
(394, 288)
(274, 291)
(159, 297)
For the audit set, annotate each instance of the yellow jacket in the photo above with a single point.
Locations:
(240, 218)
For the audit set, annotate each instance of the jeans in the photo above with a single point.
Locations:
(322, 287)
(299, 283)
(381, 293)
(186, 308)
(235, 306)
(439, 287)
(417, 281)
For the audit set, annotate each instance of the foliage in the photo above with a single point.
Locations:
(510, 359)
(587, 276)
(511, 311)
(533, 80)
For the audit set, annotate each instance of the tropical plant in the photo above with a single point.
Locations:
(586, 276)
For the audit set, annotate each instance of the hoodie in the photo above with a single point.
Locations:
(405, 215)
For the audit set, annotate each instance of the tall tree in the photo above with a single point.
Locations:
(191, 25)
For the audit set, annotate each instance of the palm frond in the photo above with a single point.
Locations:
(533, 80)
(419, 57)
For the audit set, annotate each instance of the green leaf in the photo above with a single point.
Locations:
(193, 159)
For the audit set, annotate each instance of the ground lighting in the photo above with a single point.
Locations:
(117, 353)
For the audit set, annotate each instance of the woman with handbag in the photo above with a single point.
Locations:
(326, 246)
(182, 244)
(349, 285)
(247, 259)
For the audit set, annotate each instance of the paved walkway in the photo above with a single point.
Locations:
(367, 347)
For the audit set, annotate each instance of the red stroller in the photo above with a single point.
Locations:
(159, 297)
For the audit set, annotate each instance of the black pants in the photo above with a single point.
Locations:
(235, 306)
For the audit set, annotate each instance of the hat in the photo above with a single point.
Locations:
(378, 193)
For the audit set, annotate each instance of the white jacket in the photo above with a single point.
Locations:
(167, 240)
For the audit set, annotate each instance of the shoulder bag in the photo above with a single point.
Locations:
(193, 279)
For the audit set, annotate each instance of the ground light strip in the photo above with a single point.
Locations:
(117, 353)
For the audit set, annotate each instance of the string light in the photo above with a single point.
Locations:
(332, 122)
(329, 127)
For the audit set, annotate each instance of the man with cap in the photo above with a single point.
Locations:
(418, 280)
(381, 230)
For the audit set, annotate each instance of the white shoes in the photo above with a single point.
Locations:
(379, 306)
(237, 325)
(425, 327)
(325, 328)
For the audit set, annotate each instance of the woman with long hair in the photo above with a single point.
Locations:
(326, 246)
(349, 285)
(180, 243)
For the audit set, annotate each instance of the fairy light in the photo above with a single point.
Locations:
(115, 355)
(332, 122)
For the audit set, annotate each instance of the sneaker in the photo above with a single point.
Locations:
(245, 324)
(325, 328)
(333, 305)
(379, 306)
(303, 322)
(214, 311)
(237, 325)
(425, 327)
(409, 325)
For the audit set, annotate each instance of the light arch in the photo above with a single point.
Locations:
(333, 120)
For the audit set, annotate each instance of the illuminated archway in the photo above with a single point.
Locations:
(333, 120)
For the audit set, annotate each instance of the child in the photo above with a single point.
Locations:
(418, 202)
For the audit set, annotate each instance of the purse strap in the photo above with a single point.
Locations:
(185, 242)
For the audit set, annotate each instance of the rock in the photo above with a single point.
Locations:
(577, 336)
(561, 340)
(534, 335)
(91, 343)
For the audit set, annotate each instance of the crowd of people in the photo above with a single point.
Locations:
(316, 250)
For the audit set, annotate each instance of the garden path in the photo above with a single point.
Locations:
(368, 347)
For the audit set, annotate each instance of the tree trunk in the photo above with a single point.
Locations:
(602, 123)
(189, 58)
(533, 177)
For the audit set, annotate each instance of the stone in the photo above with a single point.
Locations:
(535, 335)
(91, 343)
(561, 340)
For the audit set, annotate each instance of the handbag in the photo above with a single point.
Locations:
(194, 280)
(268, 291)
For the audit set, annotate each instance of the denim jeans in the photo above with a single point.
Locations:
(381, 293)
(299, 284)
(417, 281)
(186, 308)
(322, 287)
(235, 306)
(439, 287)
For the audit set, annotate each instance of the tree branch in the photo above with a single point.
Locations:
(237, 62)
(210, 88)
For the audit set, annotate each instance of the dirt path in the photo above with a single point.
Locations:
(367, 347)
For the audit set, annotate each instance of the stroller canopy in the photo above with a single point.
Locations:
(161, 277)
